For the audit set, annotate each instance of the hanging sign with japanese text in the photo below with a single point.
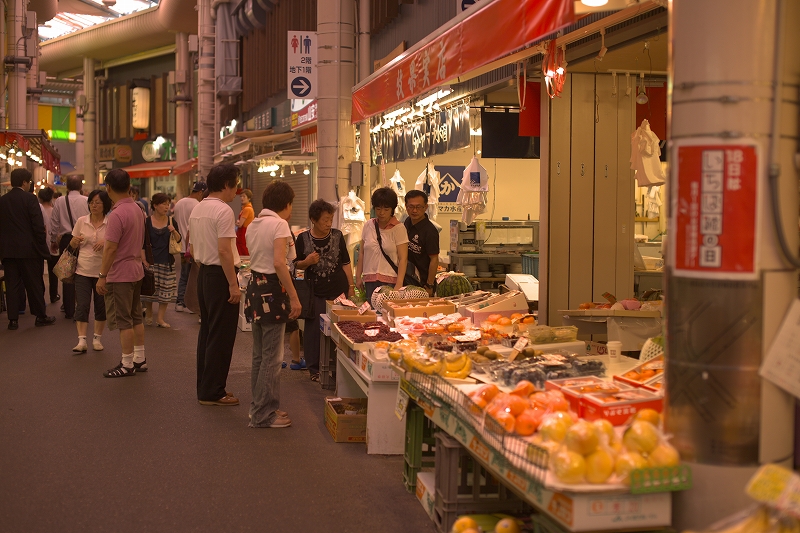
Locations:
(302, 65)
(714, 210)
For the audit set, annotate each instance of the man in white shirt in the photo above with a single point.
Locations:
(182, 211)
(212, 244)
(62, 221)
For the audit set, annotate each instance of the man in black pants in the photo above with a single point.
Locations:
(66, 211)
(212, 242)
(23, 249)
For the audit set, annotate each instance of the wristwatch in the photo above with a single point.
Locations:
(101, 276)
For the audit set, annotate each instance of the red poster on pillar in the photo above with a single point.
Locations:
(714, 211)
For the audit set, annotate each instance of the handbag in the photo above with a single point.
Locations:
(305, 290)
(266, 299)
(66, 266)
(149, 279)
(174, 242)
(408, 279)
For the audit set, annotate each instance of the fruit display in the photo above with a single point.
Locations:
(452, 284)
(548, 334)
(486, 524)
(387, 292)
(538, 367)
(645, 373)
(359, 332)
(413, 357)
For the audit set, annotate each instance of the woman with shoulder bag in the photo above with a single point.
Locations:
(161, 230)
(271, 301)
(89, 237)
(322, 253)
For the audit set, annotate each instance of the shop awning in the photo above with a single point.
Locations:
(186, 166)
(482, 34)
(156, 169)
(37, 143)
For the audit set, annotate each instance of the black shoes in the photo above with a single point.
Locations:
(119, 371)
(13, 324)
(54, 300)
(46, 321)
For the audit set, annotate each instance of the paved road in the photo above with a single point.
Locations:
(79, 452)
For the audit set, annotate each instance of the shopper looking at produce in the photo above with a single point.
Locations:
(162, 229)
(423, 240)
(89, 238)
(382, 262)
(121, 273)
(212, 243)
(322, 254)
(271, 302)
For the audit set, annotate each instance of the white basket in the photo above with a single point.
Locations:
(650, 350)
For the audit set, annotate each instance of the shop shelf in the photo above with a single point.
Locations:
(667, 479)
(530, 264)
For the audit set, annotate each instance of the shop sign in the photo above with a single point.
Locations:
(487, 34)
(463, 5)
(283, 117)
(305, 117)
(449, 187)
(714, 209)
(150, 151)
(263, 121)
(123, 153)
(105, 152)
(302, 65)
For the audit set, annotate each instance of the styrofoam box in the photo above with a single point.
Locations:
(244, 325)
(375, 369)
(608, 511)
(426, 491)
(325, 325)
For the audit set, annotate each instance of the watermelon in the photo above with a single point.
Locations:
(452, 284)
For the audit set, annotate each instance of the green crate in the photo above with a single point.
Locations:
(419, 450)
(666, 479)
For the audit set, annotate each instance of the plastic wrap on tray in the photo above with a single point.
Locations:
(542, 367)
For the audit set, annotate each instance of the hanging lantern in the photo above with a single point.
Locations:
(554, 69)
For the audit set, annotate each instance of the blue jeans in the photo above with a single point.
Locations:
(182, 282)
(265, 381)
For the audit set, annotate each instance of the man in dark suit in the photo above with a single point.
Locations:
(23, 248)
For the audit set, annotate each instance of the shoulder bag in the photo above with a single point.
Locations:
(409, 278)
(68, 262)
(174, 242)
(305, 286)
(149, 279)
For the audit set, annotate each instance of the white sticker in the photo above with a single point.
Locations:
(401, 405)
(521, 343)
(372, 332)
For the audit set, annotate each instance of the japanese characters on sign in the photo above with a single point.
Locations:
(714, 211)
(302, 65)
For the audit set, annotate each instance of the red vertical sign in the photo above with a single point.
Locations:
(714, 211)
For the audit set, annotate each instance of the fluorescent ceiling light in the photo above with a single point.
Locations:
(594, 3)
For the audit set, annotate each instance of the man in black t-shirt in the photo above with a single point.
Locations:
(423, 239)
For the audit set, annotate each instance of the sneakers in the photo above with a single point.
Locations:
(140, 367)
(81, 347)
(181, 308)
(298, 366)
(281, 422)
(97, 346)
(119, 371)
(225, 400)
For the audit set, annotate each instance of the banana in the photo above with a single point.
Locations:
(463, 373)
(429, 367)
(456, 362)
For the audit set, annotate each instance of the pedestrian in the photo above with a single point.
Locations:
(66, 210)
(183, 209)
(272, 301)
(423, 240)
(89, 238)
(46, 203)
(246, 216)
(141, 202)
(162, 229)
(23, 248)
(384, 261)
(212, 243)
(121, 273)
(322, 254)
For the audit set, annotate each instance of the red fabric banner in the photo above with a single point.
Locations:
(491, 33)
(530, 108)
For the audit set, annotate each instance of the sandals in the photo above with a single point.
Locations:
(119, 371)
(315, 377)
(162, 325)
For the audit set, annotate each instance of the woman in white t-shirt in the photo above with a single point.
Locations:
(271, 301)
(89, 237)
(374, 269)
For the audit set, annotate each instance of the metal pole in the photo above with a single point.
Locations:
(89, 126)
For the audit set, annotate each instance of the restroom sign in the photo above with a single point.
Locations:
(714, 210)
(302, 65)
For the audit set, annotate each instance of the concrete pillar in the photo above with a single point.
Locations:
(725, 419)
(335, 140)
(89, 126)
(79, 152)
(183, 108)
(17, 86)
(206, 102)
(32, 82)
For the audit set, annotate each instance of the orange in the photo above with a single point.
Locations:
(524, 389)
(634, 375)
(528, 320)
(528, 422)
(493, 318)
(557, 401)
(487, 392)
(504, 321)
(506, 420)
(499, 403)
(539, 400)
(516, 315)
(516, 405)
(478, 405)
(647, 374)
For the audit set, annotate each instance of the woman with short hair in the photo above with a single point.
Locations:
(384, 239)
(322, 254)
(161, 228)
(246, 216)
(89, 237)
(271, 302)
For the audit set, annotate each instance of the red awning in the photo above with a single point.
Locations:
(156, 169)
(186, 166)
(490, 32)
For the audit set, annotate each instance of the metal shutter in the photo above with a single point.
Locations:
(300, 183)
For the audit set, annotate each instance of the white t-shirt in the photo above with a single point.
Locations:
(260, 237)
(375, 266)
(181, 212)
(210, 220)
(89, 261)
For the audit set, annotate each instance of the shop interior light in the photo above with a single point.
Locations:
(306, 171)
(476, 133)
(594, 3)
(293, 171)
(613, 84)
(282, 174)
(272, 173)
(83, 181)
(28, 153)
(642, 98)
(603, 49)
(627, 84)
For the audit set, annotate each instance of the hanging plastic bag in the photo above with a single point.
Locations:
(646, 156)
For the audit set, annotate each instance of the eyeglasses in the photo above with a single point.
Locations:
(414, 207)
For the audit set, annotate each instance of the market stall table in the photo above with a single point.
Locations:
(632, 328)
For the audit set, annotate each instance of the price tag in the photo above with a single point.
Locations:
(371, 332)
(364, 308)
(401, 405)
(518, 347)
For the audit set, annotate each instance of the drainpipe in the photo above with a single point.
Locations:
(725, 419)
(32, 82)
(3, 48)
(79, 151)
(205, 91)
(17, 115)
(364, 70)
(183, 102)
(89, 126)
(336, 35)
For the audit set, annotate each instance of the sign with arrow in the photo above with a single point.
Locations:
(302, 65)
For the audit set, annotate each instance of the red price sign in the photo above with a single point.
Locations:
(714, 211)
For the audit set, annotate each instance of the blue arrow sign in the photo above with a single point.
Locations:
(300, 87)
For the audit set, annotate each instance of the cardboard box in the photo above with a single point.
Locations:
(346, 427)
(656, 365)
(325, 325)
(504, 304)
(343, 340)
(340, 315)
(607, 511)
(377, 370)
(395, 309)
(619, 412)
(426, 491)
(569, 387)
